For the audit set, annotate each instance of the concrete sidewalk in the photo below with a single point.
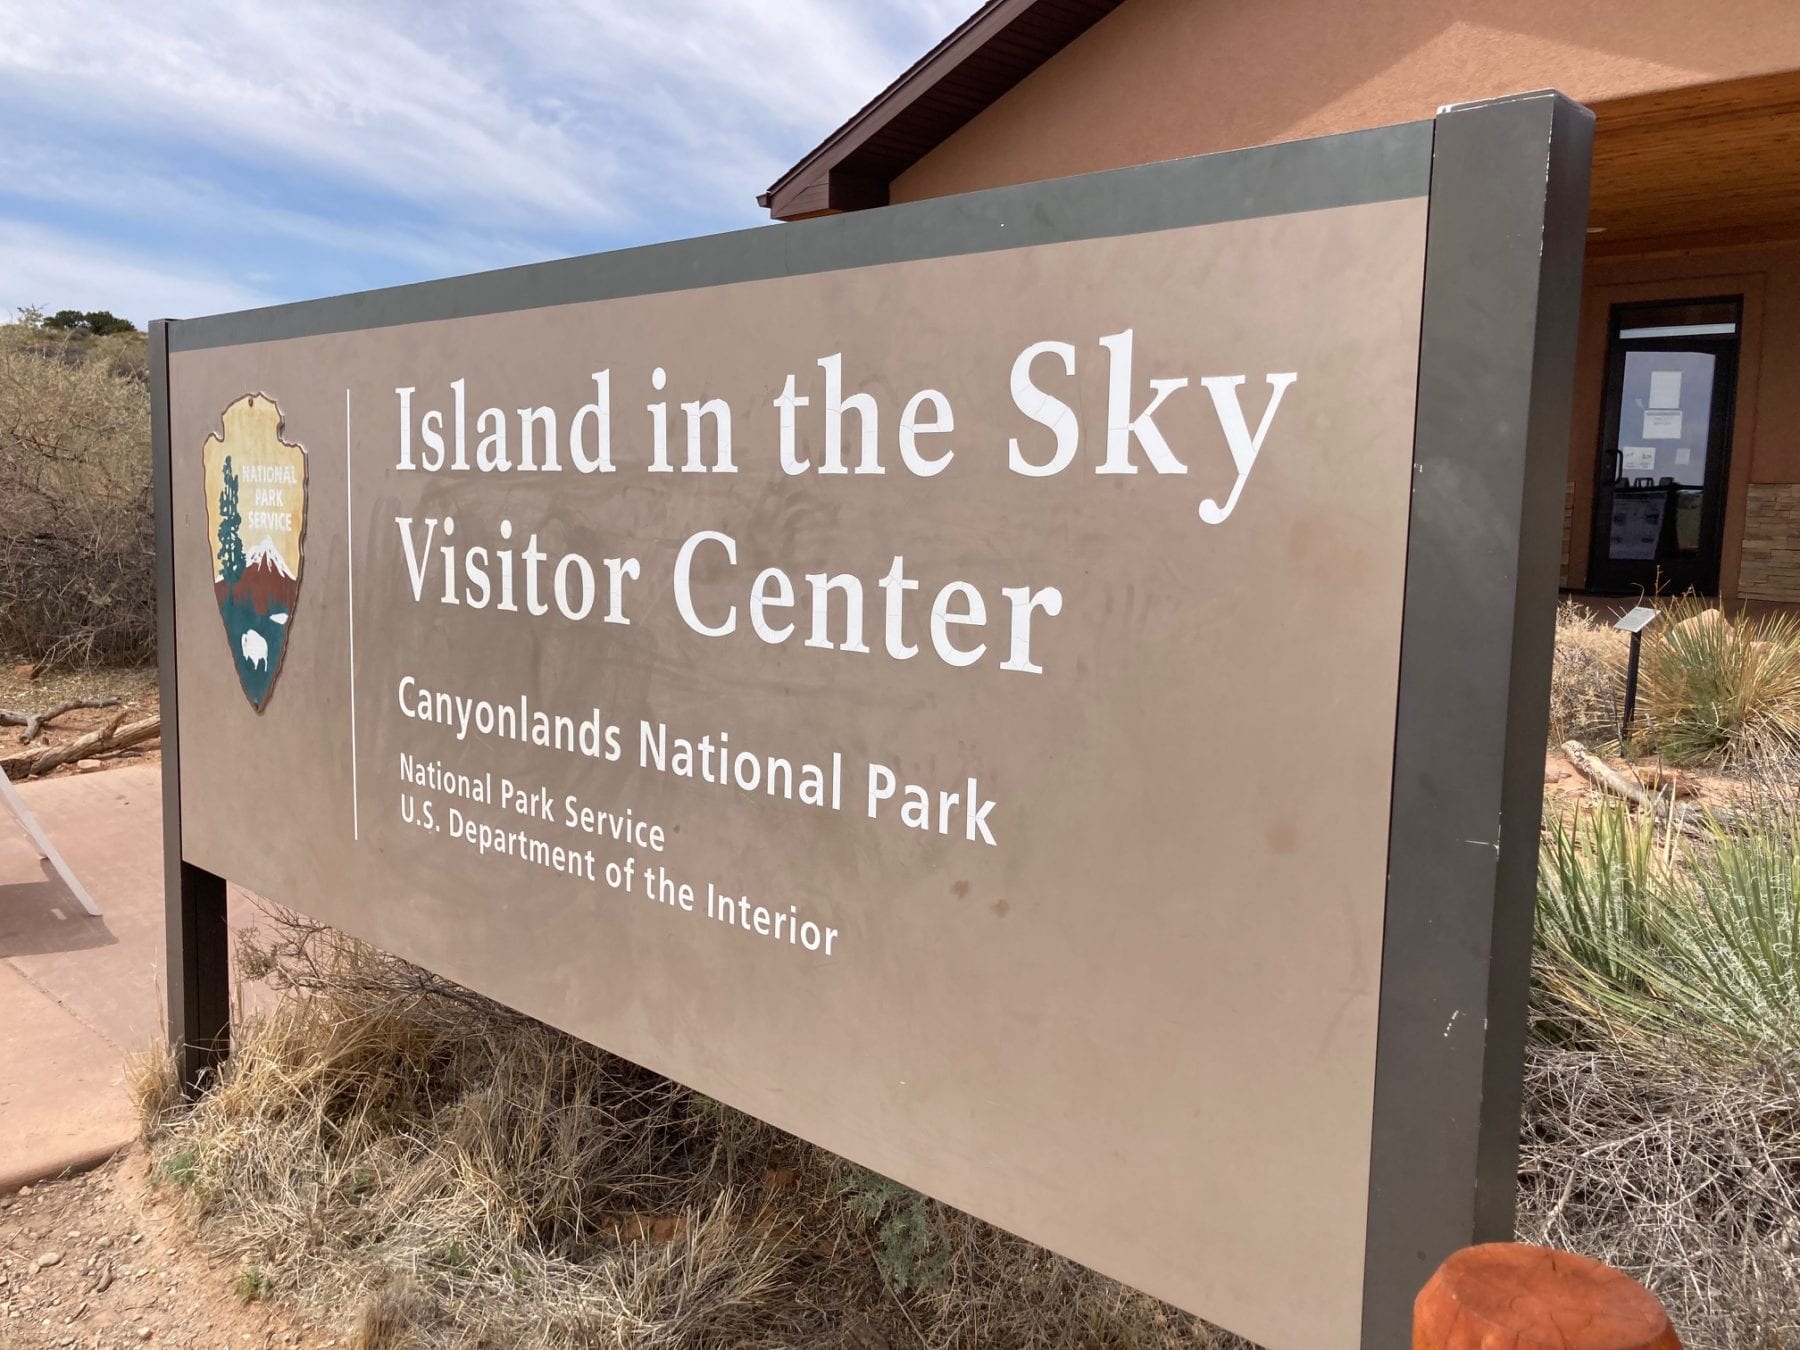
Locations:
(79, 995)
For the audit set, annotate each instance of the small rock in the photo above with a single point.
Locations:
(24, 1190)
(89, 765)
(143, 1333)
(136, 1238)
(103, 1241)
(26, 672)
(47, 1259)
(1703, 622)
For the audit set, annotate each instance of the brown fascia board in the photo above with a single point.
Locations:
(991, 51)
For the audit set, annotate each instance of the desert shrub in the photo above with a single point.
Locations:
(1587, 677)
(911, 1249)
(1696, 939)
(385, 1146)
(77, 554)
(1662, 1102)
(100, 322)
(1594, 876)
(1715, 689)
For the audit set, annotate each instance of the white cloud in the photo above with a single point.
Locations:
(341, 89)
(56, 175)
(541, 109)
(326, 141)
(62, 270)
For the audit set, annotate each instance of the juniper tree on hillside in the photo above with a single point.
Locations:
(231, 546)
(99, 322)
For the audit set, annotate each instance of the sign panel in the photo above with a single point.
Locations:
(930, 680)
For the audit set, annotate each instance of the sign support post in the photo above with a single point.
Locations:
(198, 946)
(1504, 240)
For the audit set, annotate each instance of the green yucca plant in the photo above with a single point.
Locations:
(1594, 883)
(1725, 937)
(1714, 689)
(1701, 942)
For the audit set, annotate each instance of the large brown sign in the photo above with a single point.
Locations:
(931, 679)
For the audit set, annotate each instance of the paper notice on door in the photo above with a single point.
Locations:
(1665, 389)
(1637, 523)
(1662, 424)
(1637, 459)
(1684, 456)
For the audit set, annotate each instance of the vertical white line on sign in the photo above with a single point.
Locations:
(350, 593)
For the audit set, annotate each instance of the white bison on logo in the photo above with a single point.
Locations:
(256, 648)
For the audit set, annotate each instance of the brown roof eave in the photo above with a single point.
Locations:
(850, 169)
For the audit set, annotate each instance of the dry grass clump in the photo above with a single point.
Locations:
(1718, 689)
(77, 556)
(1683, 1174)
(1587, 677)
(431, 1169)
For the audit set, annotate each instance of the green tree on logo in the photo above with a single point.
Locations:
(231, 546)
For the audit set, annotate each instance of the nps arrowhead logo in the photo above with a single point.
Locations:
(256, 520)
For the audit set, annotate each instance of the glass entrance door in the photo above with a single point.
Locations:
(1665, 441)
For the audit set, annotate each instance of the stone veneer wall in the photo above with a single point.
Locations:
(1771, 566)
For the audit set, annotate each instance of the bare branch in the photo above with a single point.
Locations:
(34, 723)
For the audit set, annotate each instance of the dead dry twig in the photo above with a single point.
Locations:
(35, 722)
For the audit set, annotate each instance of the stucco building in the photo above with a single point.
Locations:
(1684, 450)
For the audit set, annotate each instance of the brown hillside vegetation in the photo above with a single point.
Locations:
(77, 556)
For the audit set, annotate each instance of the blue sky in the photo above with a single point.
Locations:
(176, 159)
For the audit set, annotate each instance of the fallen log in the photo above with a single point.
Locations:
(108, 740)
(1598, 772)
(1681, 816)
(34, 723)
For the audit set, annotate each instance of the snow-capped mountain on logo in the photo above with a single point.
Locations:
(266, 584)
(267, 554)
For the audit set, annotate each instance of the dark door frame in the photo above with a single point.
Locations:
(1605, 574)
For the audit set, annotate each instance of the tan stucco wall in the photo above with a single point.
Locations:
(1159, 79)
(1766, 427)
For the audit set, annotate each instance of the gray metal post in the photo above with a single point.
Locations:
(1504, 244)
(198, 945)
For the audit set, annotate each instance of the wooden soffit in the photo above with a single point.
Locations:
(1702, 167)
